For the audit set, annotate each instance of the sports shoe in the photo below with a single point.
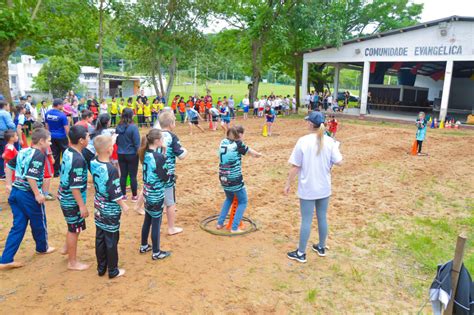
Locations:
(135, 198)
(321, 251)
(294, 256)
(160, 255)
(124, 197)
(145, 248)
(49, 197)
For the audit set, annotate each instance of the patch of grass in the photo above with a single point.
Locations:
(419, 203)
(311, 296)
(281, 286)
(356, 274)
(373, 232)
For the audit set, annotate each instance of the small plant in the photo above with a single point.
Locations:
(311, 297)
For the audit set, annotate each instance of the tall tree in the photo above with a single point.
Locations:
(315, 23)
(44, 27)
(255, 19)
(58, 76)
(159, 33)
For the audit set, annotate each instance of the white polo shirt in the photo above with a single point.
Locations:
(314, 178)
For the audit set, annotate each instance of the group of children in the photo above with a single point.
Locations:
(158, 152)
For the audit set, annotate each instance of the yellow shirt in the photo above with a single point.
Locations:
(121, 107)
(147, 110)
(114, 108)
(139, 109)
(155, 107)
(161, 106)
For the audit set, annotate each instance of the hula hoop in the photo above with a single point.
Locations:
(206, 221)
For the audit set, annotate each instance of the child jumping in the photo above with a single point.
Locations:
(421, 125)
(173, 150)
(26, 199)
(155, 176)
(230, 175)
(108, 203)
(72, 193)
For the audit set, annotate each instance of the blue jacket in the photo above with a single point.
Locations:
(6, 121)
(128, 139)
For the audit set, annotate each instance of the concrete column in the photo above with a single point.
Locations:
(365, 88)
(304, 82)
(448, 75)
(337, 69)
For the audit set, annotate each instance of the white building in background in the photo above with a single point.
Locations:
(21, 77)
(21, 74)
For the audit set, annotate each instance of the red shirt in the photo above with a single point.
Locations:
(9, 154)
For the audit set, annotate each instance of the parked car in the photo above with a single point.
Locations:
(352, 98)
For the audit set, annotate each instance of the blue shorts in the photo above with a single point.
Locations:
(246, 109)
(270, 120)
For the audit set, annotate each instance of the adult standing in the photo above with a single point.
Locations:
(312, 160)
(128, 143)
(6, 123)
(58, 126)
(142, 97)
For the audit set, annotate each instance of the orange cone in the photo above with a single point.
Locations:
(233, 209)
(414, 148)
(211, 127)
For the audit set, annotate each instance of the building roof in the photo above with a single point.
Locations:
(394, 32)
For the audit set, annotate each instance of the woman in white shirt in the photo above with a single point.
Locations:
(312, 160)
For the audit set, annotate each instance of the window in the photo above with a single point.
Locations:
(13, 79)
(29, 75)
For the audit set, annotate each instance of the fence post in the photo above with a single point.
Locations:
(457, 262)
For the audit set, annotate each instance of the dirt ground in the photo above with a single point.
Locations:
(364, 272)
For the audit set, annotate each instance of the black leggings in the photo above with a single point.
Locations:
(420, 143)
(106, 252)
(128, 166)
(155, 224)
(113, 120)
(58, 146)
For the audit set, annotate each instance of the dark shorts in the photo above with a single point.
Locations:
(214, 118)
(75, 223)
(195, 122)
(155, 210)
(270, 120)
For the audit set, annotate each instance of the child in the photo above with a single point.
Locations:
(421, 125)
(208, 109)
(10, 137)
(182, 109)
(246, 107)
(173, 150)
(19, 121)
(225, 117)
(140, 113)
(72, 193)
(74, 112)
(114, 110)
(261, 106)
(147, 114)
(193, 117)
(95, 111)
(108, 200)
(270, 118)
(155, 176)
(104, 107)
(214, 113)
(155, 108)
(255, 107)
(332, 126)
(202, 107)
(48, 168)
(26, 199)
(230, 175)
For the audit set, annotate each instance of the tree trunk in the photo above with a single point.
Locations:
(101, 62)
(6, 48)
(172, 73)
(153, 81)
(257, 45)
(160, 77)
(298, 74)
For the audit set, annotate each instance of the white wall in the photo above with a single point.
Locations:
(434, 86)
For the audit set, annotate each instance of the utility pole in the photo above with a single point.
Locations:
(101, 62)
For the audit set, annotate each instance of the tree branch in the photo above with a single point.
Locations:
(35, 11)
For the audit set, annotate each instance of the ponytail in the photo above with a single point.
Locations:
(143, 148)
(320, 137)
(147, 140)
